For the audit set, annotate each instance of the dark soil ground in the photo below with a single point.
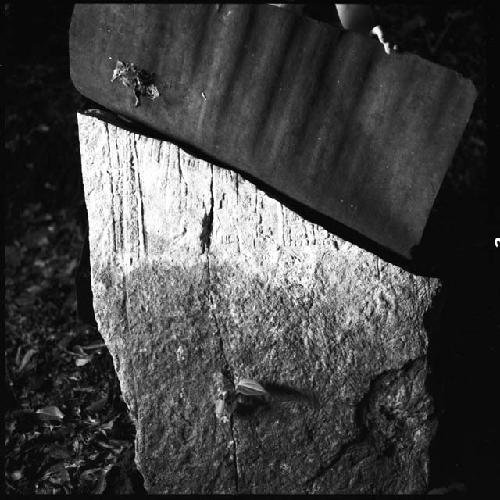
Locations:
(81, 440)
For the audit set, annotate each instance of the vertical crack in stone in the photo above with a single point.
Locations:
(361, 435)
(111, 188)
(130, 391)
(206, 230)
(205, 238)
(134, 156)
(179, 165)
(207, 223)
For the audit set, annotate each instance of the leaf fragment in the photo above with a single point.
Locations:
(57, 474)
(97, 406)
(59, 453)
(17, 475)
(90, 347)
(83, 361)
(249, 387)
(26, 359)
(50, 413)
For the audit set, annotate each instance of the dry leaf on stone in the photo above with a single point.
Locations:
(139, 80)
(249, 387)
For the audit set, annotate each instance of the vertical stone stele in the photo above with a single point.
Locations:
(201, 279)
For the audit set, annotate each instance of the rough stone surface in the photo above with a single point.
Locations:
(199, 279)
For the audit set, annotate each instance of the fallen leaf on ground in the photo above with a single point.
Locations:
(94, 346)
(101, 484)
(108, 425)
(50, 413)
(26, 359)
(84, 389)
(12, 256)
(16, 475)
(70, 267)
(34, 289)
(97, 405)
(42, 128)
(57, 474)
(25, 300)
(83, 361)
(58, 452)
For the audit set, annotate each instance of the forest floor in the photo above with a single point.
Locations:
(66, 428)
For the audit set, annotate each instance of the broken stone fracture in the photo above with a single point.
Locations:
(199, 279)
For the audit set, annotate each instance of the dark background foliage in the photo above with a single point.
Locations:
(54, 360)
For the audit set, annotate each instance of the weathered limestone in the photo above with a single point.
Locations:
(197, 275)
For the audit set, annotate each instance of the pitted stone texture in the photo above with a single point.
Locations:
(199, 277)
